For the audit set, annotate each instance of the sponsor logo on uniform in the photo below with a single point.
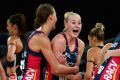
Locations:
(30, 74)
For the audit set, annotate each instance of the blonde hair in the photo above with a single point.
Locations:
(67, 15)
(98, 31)
(100, 26)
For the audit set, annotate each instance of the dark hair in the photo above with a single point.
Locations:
(42, 14)
(98, 31)
(20, 20)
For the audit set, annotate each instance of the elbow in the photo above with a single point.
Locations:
(10, 57)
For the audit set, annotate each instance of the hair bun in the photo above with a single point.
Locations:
(100, 26)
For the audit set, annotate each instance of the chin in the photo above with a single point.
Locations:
(75, 34)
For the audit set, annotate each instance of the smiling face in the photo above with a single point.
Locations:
(73, 25)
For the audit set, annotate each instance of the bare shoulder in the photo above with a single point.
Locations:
(41, 38)
(59, 38)
(58, 43)
(93, 51)
(81, 43)
(40, 42)
(12, 40)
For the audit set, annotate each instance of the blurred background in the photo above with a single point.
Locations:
(91, 11)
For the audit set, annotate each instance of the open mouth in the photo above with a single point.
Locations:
(75, 31)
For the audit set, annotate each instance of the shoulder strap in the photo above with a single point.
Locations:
(100, 47)
(76, 47)
(67, 47)
(64, 37)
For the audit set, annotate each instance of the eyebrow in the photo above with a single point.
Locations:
(74, 20)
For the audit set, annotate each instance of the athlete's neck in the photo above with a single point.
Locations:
(45, 28)
(71, 40)
(99, 44)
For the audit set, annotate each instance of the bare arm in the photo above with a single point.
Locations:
(81, 47)
(115, 52)
(2, 72)
(103, 52)
(112, 53)
(58, 45)
(11, 57)
(89, 65)
(11, 49)
(57, 68)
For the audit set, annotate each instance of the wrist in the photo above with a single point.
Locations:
(76, 69)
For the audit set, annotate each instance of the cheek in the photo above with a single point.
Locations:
(71, 27)
(90, 41)
(70, 30)
(56, 18)
(80, 27)
(8, 28)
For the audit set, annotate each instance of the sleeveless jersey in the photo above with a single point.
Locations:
(95, 69)
(36, 67)
(19, 56)
(70, 56)
(110, 69)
